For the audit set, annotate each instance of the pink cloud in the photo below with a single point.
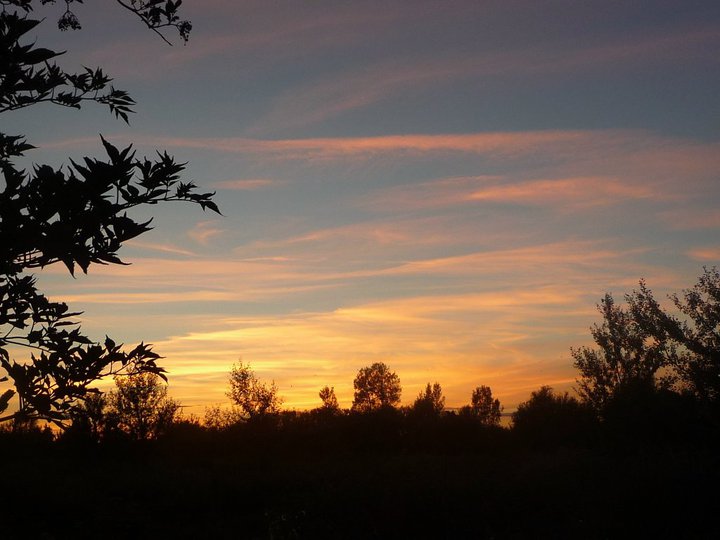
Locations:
(499, 144)
(246, 184)
(708, 254)
(577, 191)
(567, 193)
(163, 248)
(205, 231)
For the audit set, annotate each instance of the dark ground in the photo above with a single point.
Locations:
(200, 485)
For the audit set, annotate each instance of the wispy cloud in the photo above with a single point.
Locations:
(162, 248)
(247, 184)
(575, 193)
(205, 231)
(499, 144)
(336, 94)
(708, 254)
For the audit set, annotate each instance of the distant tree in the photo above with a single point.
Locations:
(140, 406)
(483, 407)
(550, 418)
(252, 397)
(75, 215)
(329, 399)
(376, 387)
(218, 418)
(630, 355)
(430, 402)
(89, 416)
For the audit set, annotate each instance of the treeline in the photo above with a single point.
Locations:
(653, 378)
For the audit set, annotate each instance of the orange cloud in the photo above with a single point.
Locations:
(459, 340)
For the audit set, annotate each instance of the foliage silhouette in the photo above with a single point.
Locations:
(483, 407)
(376, 387)
(89, 419)
(253, 398)
(77, 217)
(550, 419)
(329, 400)
(140, 407)
(628, 354)
(650, 359)
(386, 473)
(695, 333)
(430, 402)
(218, 418)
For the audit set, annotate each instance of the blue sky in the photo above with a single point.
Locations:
(448, 187)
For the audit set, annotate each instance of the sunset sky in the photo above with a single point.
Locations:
(448, 187)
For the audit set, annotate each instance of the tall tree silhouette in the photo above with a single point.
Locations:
(696, 332)
(628, 358)
(77, 216)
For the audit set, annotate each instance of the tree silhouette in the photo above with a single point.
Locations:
(252, 397)
(430, 402)
(483, 407)
(329, 400)
(376, 387)
(699, 334)
(629, 354)
(89, 417)
(140, 406)
(77, 216)
(696, 333)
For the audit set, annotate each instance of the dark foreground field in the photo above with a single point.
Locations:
(196, 484)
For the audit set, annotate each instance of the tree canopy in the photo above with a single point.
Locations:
(140, 406)
(253, 397)
(76, 215)
(645, 348)
(376, 387)
(483, 406)
(628, 354)
(431, 401)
